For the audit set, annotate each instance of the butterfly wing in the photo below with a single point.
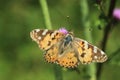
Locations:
(64, 49)
(67, 56)
(46, 38)
(51, 55)
(88, 53)
(68, 59)
(64, 55)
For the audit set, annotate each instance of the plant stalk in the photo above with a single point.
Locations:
(84, 9)
(57, 70)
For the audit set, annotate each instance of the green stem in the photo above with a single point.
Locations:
(57, 70)
(46, 13)
(106, 34)
(91, 69)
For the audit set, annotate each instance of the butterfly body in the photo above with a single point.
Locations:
(63, 48)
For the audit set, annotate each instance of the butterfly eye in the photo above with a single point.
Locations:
(68, 38)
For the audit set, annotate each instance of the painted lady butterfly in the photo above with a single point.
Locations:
(62, 48)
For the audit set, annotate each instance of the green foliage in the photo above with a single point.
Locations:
(21, 59)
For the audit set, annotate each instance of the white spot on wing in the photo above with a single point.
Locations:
(37, 30)
(86, 44)
(95, 57)
(53, 34)
(44, 32)
(39, 38)
(102, 52)
(95, 49)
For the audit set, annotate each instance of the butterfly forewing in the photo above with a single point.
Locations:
(46, 38)
(89, 53)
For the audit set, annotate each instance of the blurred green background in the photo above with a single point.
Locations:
(20, 57)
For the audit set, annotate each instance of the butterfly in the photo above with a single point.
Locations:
(63, 48)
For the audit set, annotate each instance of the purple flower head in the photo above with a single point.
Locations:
(116, 13)
(63, 30)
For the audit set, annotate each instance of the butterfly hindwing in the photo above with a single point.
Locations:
(51, 54)
(68, 59)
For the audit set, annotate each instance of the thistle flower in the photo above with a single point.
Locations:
(116, 13)
(63, 30)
